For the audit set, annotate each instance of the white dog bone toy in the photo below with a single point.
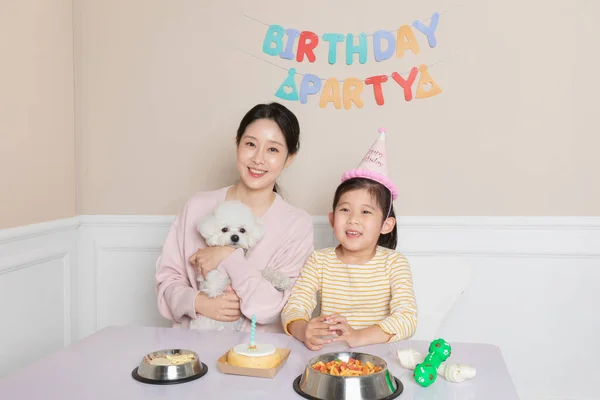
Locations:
(456, 372)
(409, 358)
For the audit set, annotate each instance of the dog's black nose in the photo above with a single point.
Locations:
(235, 238)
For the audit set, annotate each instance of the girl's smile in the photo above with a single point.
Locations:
(357, 222)
(352, 234)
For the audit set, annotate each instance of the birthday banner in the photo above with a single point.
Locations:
(280, 42)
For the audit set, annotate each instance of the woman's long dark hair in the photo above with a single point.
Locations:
(382, 195)
(283, 117)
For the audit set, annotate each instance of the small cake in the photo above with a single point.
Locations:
(262, 356)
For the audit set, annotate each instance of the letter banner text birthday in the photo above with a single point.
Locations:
(280, 42)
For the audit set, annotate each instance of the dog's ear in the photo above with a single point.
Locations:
(255, 232)
(207, 226)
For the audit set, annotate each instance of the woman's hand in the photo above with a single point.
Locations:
(224, 308)
(209, 258)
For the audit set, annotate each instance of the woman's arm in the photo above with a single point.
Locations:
(177, 297)
(258, 297)
(402, 322)
(175, 294)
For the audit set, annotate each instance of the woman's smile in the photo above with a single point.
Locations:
(256, 173)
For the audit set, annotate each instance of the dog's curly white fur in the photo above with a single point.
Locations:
(277, 279)
(231, 224)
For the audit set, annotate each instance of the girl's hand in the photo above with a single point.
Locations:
(339, 325)
(316, 329)
(224, 308)
(209, 258)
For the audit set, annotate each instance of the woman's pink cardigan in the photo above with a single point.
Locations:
(286, 245)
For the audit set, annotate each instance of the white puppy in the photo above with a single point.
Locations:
(231, 224)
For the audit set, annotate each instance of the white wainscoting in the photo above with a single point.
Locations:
(117, 260)
(526, 284)
(37, 278)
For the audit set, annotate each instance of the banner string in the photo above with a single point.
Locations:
(368, 34)
(324, 79)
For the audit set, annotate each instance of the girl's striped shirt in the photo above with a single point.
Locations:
(379, 292)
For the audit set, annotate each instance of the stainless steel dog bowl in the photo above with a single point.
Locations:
(169, 366)
(315, 384)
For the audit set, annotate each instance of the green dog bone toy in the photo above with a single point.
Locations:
(411, 359)
(426, 372)
(441, 348)
(432, 359)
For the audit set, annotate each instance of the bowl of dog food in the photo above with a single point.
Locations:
(170, 366)
(346, 376)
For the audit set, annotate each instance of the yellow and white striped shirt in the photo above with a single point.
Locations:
(379, 292)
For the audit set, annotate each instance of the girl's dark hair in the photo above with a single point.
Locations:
(382, 195)
(282, 116)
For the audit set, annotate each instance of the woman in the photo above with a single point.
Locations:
(267, 142)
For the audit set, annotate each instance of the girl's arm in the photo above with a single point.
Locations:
(401, 324)
(175, 295)
(303, 299)
(258, 297)
(356, 337)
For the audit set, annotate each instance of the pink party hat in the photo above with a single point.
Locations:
(374, 166)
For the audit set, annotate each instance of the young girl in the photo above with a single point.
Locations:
(366, 287)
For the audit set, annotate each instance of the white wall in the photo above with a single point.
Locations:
(37, 297)
(524, 284)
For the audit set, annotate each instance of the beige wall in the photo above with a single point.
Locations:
(37, 159)
(163, 90)
(160, 89)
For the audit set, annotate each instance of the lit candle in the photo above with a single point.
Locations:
(253, 332)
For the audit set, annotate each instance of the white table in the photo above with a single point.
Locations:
(99, 367)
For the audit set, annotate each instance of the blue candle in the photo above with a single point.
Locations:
(253, 331)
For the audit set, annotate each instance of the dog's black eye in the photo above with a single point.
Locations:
(224, 230)
(242, 230)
